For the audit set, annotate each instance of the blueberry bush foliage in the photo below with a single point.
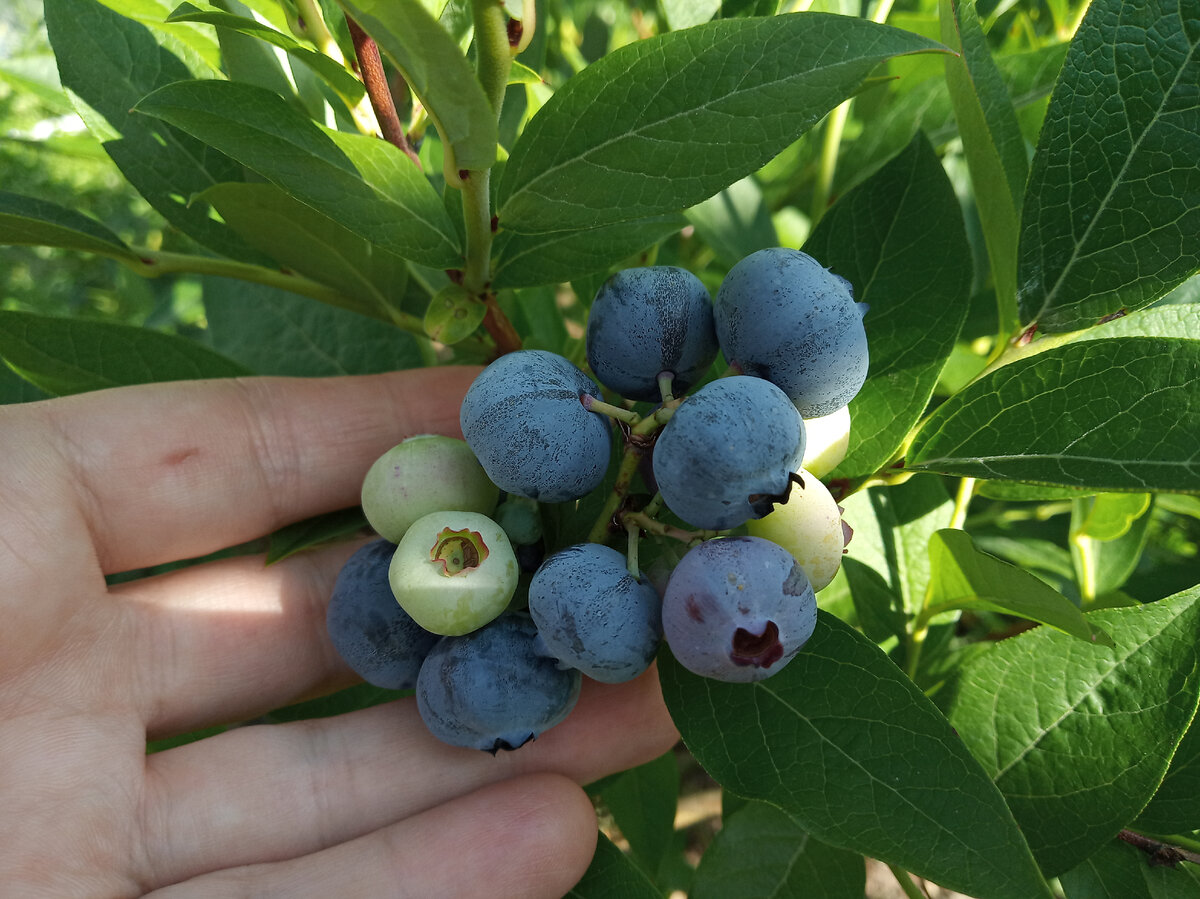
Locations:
(999, 693)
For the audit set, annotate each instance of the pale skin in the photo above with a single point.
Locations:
(366, 804)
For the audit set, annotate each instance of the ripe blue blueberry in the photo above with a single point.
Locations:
(492, 689)
(728, 453)
(592, 614)
(647, 321)
(782, 316)
(369, 630)
(737, 609)
(525, 422)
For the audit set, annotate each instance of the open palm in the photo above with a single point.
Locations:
(365, 804)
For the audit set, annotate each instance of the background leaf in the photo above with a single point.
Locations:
(760, 852)
(1174, 808)
(1119, 871)
(992, 144)
(63, 355)
(613, 876)
(899, 239)
(642, 802)
(850, 748)
(1077, 736)
(663, 123)
(1114, 414)
(109, 62)
(1114, 191)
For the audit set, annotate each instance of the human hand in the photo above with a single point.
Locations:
(365, 804)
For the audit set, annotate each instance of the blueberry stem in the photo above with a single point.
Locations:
(664, 385)
(594, 405)
(662, 529)
(631, 553)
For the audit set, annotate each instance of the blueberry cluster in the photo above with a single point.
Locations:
(458, 599)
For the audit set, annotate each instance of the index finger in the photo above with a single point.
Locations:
(165, 472)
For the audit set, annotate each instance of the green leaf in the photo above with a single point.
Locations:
(194, 45)
(899, 239)
(15, 389)
(966, 578)
(438, 74)
(1078, 736)
(735, 222)
(1174, 808)
(1119, 871)
(1113, 201)
(992, 144)
(315, 531)
(1160, 321)
(33, 222)
(879, 610)
(611, 875)
(335, 74)
(371, 279)
(363, 183)
(453, 314)
(274, 332)
(663, 123)
(1112, 414)
(760, 851)
(860, 758)
(907, 517)
(642, 802)
(686, 13)
(1108, 516)
(527, 260)
(62, 355)
(108, 63)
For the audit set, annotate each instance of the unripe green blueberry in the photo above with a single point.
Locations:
(453, 572)
(426, 473)
(827, 437)
(809, 526)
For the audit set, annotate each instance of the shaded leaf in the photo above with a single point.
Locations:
(1113, 414)
(312, 532)
(274, 332)
(760, 851)
(735, 222)
(63, 355)
(33, 222)
(108, 63)
(611, 875)
(966, 578)
(335, 74)
(527, 260)
(663, 123)
(371, 279)
(1113, 200)
(642, 802)
(377, 192)
(438, 73)
(1174, 808)
(899, 239)
(1078, 736)
(992, 144)
(860, 758)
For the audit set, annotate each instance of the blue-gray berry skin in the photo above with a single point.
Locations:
(728, 453)
(645, 321)
(782, 316)
(369, 630)
(738, 609)
(593, 615)
(492, 689)
(525, 422)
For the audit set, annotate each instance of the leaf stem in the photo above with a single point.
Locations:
(962, 499)
(911, 890)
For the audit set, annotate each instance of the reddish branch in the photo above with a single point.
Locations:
(370, 66)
